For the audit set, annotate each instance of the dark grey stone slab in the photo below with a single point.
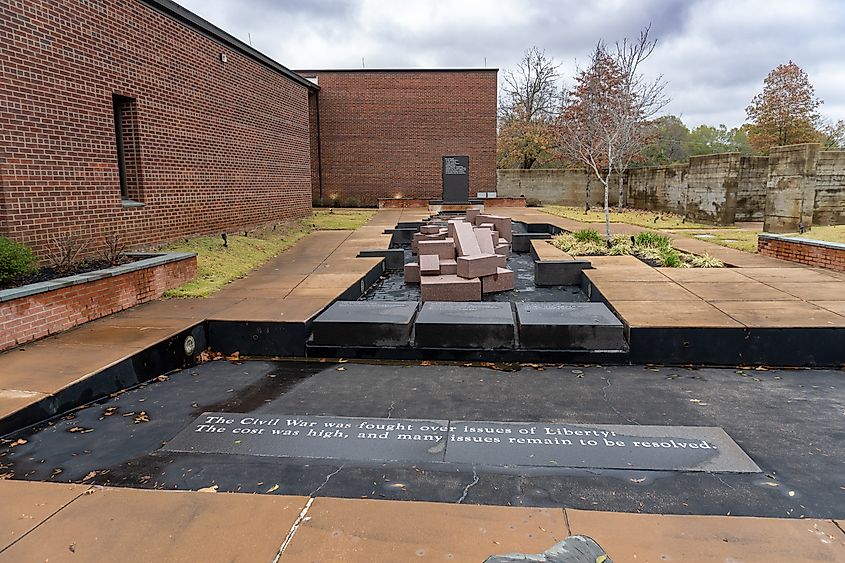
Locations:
(321, 437)
(603, 446)
(464, 325)
(522, 241)
(394, 258)
(548, 273)
(569, 326)
(365, 323)
(498, 444)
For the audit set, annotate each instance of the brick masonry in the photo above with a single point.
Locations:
(35, 316)
(217, 146)
(383, 133)
(802, 251)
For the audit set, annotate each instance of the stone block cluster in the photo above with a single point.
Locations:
(463, 258)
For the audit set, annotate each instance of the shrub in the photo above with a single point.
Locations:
(649, 239)
(620, 245)
(588, 235)
(16, 260)
(66, 251)
(669, 257)
(705, 261)
(533, 202)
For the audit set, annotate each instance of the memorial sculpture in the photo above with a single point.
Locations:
(463, 258)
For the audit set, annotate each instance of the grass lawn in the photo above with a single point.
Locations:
(740, 239)
(835, 233)
(639, 217)
(218, 265)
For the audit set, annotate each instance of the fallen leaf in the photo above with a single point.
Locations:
(211, 489)
(234, 356)
(341, 369)
(18, 442)
(273, 488)
(771, 484)
(638, 480)
(162, 378)
(80, 430)
(90, 475)
(142, 417)
(791, 493)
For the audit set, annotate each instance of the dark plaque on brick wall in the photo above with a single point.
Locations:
(455, 179)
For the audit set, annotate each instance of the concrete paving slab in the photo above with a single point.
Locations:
(12, 400)
(615, 291)
(648, 537)
(814, 291)
(623, 273)
(162, 526)
(179, 308)
(327, 294)
(129, 338)
(371, 530)
(26, 505)
(49, 366)
(278, 310)
(743, 291)
(837, 307)
(780, 314)
(794, 275)
(336, 280)
(687, 275)
(669, 314)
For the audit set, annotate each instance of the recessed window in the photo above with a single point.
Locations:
(128, 153)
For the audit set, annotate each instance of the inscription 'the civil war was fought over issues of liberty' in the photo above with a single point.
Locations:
(680, 448)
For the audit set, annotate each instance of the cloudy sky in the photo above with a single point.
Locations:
(714, 54)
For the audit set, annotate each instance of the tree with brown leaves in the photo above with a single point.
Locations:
(785, 112)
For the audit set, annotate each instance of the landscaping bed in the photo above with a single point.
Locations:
(654, 249)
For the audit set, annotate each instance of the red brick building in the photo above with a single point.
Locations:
(382, 133)
(137, 117)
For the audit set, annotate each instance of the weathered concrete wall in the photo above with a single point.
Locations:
(829, 203)
(658, 188)
(560, 186)
(791, 188)
(751, 188)
(797, 184)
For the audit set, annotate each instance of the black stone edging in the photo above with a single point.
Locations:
(805, 241)
(149, 260)
(143, 366)
(502, 355)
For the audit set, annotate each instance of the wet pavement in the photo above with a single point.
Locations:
(788, 422)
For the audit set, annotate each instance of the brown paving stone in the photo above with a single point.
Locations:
(274, 310)
(685, 275)
(49, 366)
(129, 338)
(352, 530)
(837, 307)
(337, 280)
(178, 308)
(654, 538)
(624, 274)
(814, 291)
(615, 291)
(780, 314)
(144, 525)
(680, 314)
(729, 291)
(26, 504)
(12, 400)
(328, 294)
(793, 275)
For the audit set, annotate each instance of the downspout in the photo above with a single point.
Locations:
(319, 146)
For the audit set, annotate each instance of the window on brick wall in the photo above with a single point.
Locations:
(128, 153)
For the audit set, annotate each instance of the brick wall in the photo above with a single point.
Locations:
(218, 145)
(383, 133)
(35, 316)
(809, 252)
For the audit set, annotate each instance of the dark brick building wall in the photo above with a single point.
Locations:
(209, 146)
(383, 133)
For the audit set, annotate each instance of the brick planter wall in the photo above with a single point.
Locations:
(38, 310)
(804, 251)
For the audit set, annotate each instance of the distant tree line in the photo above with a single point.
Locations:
(535, 109)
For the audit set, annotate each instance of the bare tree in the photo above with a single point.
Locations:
(529, 102)
(644, 99)
(603, 117)
(530, 92)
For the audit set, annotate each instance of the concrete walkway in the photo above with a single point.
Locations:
(56, 522)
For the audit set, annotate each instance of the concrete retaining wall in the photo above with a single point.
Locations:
(794, 185)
